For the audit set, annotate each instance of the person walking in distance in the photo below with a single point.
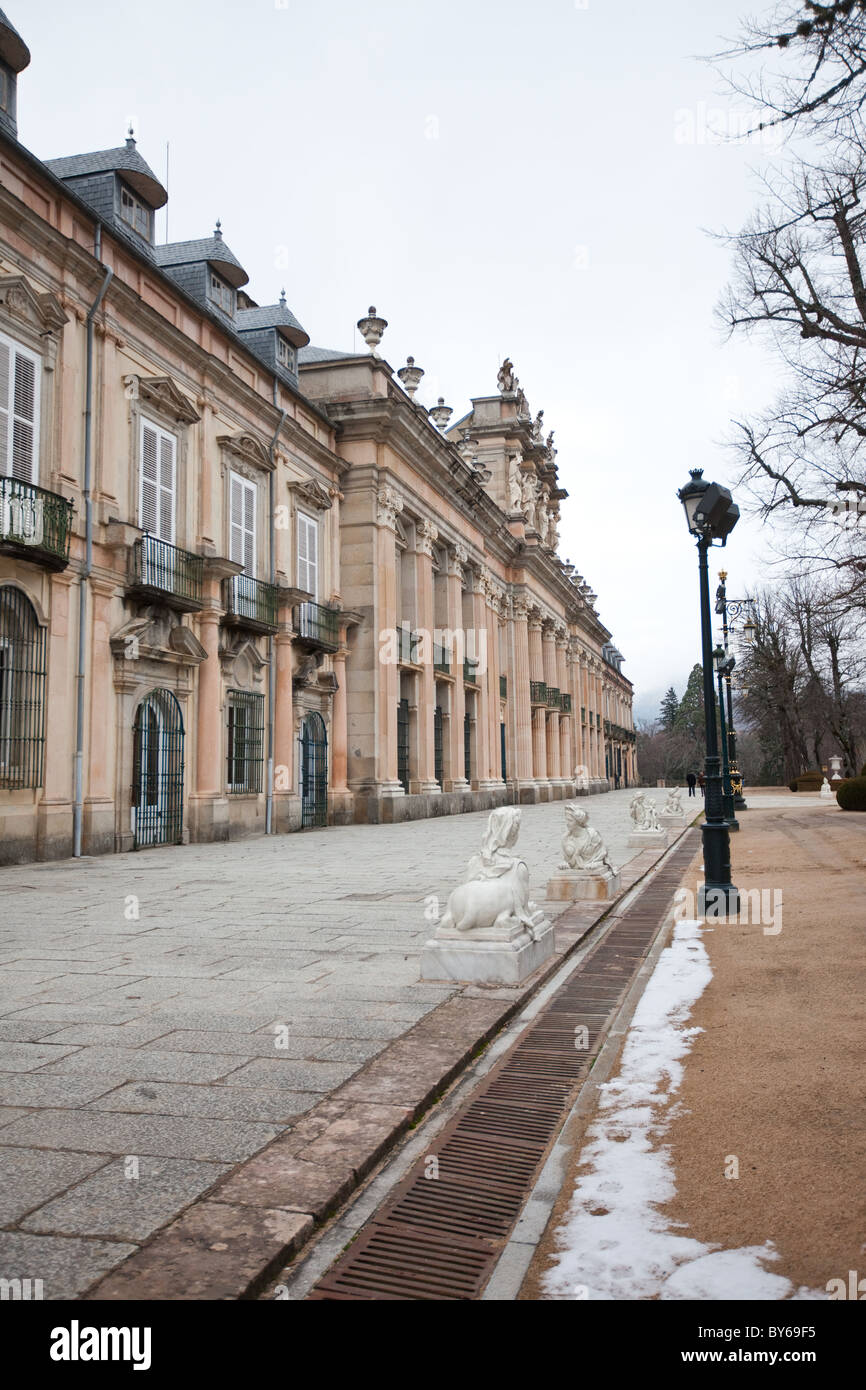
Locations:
(702, 782)
(691, 779)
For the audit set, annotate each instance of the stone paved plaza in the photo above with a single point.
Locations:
(164, 1015)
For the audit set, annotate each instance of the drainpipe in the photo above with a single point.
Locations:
(272, 650)
(78, 807)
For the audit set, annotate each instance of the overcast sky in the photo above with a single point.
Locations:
(498, 178)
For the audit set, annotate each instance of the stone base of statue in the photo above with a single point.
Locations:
(486, 956)
(648, 839)
(671, 821)
(583, 885)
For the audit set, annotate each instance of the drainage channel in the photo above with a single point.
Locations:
(440, 1233)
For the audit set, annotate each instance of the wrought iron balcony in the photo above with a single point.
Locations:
(566, 704)
(164, 571)
(251, 603)
(537, 693)
(503, 687)
(554, 697)
(34, 524)
(470, 672)
(318, 626)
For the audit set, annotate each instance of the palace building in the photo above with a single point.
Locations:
(251, 585)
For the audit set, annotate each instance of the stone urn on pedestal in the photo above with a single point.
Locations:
(672, 813)
(647, 833)
(491, 932)
(586, 871)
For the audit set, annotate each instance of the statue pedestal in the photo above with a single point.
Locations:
(648, 839)
(487, 955)
(582, 885)
(667, 818)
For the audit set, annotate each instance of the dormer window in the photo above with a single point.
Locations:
(221, 292)
(134, 212)
(286, 354)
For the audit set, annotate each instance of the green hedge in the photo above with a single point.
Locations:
(851, 796)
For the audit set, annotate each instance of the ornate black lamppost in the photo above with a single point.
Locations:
(724, 663)
(711, 515)
(732, 608)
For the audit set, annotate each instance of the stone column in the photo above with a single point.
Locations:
(426, 534)
(551, 677)
(209, 808)
(519, 730)
(566, 722)
(539, 715)
(286, 810)
(387, 674)
(487, 623)
(482, 696)
(454, 589)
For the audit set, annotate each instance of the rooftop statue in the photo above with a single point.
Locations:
(506, 380)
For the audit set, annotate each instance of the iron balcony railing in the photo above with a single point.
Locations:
(566, 704)
(251, 600)
(441, 659)
(35, 521)
(470, 672)
(158, 565)
(318, 625)
(503, 687)
(537, 693)
(554, 697)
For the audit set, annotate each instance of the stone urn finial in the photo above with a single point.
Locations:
(440, 414)
(371, 329)
(466, 447)
(410, 375)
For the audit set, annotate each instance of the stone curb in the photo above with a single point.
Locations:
(255, 1220)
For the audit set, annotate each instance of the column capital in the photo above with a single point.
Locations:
(389, 504)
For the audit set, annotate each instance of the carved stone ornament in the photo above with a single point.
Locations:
(157, 635)
(389, 504)
(163, 396)
(43, 312)
(426, 535)
(312, 492)
(506, 380)
(496, 893)
(246, 448)
(242, 664)
(643, 812)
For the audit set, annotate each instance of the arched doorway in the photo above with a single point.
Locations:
(157, 771)
(313, 766)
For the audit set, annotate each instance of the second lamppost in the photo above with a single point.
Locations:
(711, 515)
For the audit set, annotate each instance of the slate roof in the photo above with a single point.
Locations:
(273, 316)
(317, 354)
(13, 49)
(124, 160)
(211, 249)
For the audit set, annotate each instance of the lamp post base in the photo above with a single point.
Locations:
(716, 900)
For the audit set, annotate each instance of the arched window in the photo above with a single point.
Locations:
(22, 691)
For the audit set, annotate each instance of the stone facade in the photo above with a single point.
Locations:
(261, 547)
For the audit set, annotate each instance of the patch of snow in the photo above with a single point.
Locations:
(615, 1243)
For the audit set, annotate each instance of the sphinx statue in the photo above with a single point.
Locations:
(674, 805)
(582, 847)
(496, 891)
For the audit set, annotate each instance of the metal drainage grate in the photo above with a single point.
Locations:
(440, 1233)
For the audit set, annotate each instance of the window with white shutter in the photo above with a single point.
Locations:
(308, 554)
(242, 540)
(19, 411)
(158, 470)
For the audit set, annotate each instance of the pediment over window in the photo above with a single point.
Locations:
(163, 396)
(312, 492)
(247, 448)
(156, 634)
(43, 312)
(242, 664)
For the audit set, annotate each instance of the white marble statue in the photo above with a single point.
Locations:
(826, 789)
(506, 380)
(582, 847)
(496, 893)
(643, 812)
(674, 805)
(528, 500)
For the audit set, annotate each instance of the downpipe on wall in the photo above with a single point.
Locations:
(83, 585)
(272, 650)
